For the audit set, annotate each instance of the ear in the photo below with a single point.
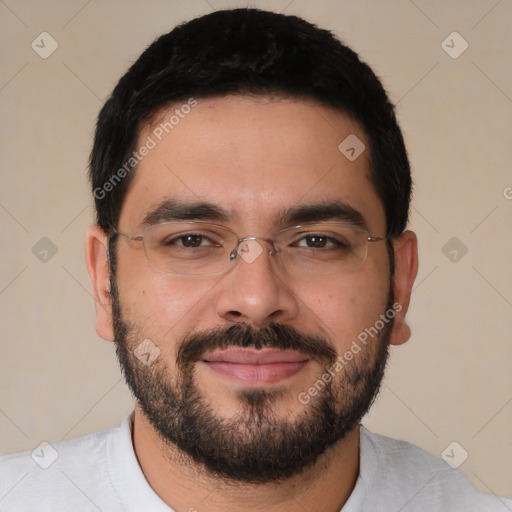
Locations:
(96, 257)
(406, 268)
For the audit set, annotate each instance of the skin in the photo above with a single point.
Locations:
(254, 158)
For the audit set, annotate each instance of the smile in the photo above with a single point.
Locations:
(256, 367)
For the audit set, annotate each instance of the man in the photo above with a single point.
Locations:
(251, 263)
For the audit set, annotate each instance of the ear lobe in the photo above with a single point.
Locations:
(96, 257)
(406, 269)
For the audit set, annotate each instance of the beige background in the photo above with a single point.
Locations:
(451, 382)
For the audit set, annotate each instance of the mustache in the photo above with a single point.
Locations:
(277, 336)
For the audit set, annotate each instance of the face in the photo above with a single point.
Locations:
(239, 355)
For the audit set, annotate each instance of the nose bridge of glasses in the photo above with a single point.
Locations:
(249, 248)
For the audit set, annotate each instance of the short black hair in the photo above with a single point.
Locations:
(247, 52)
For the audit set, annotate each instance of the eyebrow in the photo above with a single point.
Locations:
(179, 210)
(328, 211)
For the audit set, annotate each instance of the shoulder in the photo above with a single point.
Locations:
(416, 480)
(71, 470)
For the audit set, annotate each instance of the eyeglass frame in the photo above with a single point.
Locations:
(234, 253)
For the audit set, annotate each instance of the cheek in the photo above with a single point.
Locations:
(347, 305)
(164, 308)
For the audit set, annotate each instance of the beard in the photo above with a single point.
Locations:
(256, 446)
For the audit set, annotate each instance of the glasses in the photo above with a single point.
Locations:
(203, 249)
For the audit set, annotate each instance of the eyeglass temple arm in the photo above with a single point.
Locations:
(137, 238)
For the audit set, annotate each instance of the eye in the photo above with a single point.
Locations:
(190, 240)
(321, 241)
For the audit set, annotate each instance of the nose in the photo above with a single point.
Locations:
(248, 249)
(255, 291)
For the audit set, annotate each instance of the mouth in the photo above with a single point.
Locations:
(256, 367)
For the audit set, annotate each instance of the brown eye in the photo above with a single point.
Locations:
(188, 240)
(321, 241)
(316, 241)
(191, 240)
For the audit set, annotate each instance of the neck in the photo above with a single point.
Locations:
(182, 485)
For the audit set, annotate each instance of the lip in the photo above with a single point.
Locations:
(256, 367)
(256, 357)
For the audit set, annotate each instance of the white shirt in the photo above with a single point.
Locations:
(100, 472)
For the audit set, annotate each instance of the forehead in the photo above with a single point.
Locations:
(254, 158)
